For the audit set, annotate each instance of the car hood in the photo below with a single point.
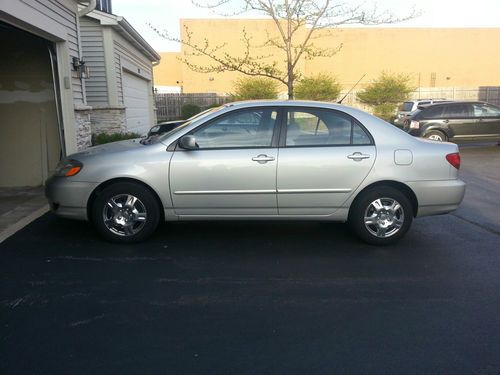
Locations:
(109, 148)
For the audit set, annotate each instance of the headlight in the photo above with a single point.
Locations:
(68, 168)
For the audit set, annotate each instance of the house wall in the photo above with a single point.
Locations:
(92, 41)
(126, 57)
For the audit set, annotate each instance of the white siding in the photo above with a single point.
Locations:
(67, 18)
(93, 54)
(125, 50)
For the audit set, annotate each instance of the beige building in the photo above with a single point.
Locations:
(434, 58)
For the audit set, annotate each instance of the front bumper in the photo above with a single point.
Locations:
(438, 197)
(68, 198)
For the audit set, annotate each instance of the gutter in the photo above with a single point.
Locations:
(89, 8)
(127, 27)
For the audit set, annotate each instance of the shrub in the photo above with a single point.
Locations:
(189, 110)
(251, 88)
(385, 93)
(102, 138)
(320, 87)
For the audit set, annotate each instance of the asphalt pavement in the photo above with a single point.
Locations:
(259, 297)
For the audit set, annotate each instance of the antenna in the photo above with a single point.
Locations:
(352, 88)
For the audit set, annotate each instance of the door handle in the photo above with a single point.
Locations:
(262, 158)
(358, 156)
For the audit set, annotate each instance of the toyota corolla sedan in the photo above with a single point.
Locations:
(265, 160)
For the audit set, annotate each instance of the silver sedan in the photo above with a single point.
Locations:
(265, 160)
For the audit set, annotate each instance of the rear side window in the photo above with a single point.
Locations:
(457, 111)
(433, 112)
(313, 127)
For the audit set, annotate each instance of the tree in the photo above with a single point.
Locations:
(298, 23)
(385, 93)
(320, 87)
(251, 88)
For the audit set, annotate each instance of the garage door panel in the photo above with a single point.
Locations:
(136, 100)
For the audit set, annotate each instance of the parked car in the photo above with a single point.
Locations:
(456, 122)
(288, 160)
(165, 127)
(411, 105)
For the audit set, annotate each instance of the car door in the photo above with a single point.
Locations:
(461, 121)
(233, 169)
(324, 156)
(488, 121)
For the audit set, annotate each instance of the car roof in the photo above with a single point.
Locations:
(450, 102)
(285, 103)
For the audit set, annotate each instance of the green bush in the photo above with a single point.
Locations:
(102, 138)
(189, 110)
(386, 93)
(320, 87)
(251, 88)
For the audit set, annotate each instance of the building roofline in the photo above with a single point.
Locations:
(122, 26)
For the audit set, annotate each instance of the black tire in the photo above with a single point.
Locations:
(141, 218)
(436, 135)
(363, 205)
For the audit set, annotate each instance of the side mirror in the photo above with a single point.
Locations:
(188, 142)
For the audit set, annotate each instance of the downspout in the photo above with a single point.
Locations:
(89, 8)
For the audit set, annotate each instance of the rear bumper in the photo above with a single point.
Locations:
(68, 198)
(438, 197)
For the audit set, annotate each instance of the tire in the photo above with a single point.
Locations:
(436, 135)
(378, 230)
(125, 212)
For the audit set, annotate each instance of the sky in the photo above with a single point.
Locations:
(165, 15)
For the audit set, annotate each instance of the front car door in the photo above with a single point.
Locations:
(233, 170)
(488, 117)
(324, 156)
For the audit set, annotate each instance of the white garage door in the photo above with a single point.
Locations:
(136, 100)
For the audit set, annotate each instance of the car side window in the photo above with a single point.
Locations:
(433, 112)
(313, 127)
(246, 128)
(457, 111)
(485, 110)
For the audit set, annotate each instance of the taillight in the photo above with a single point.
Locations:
(454, 159)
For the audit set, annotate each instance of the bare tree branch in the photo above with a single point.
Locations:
(298, 23)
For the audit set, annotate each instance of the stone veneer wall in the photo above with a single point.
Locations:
(108, 120)
(83, 127)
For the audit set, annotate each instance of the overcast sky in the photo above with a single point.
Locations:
(165, 14)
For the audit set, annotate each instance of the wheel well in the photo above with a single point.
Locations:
(105, 184)
(405, 189)
(439, 130)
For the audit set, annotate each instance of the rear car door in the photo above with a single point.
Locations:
(324, 156)
(233, 170)
(461, 121)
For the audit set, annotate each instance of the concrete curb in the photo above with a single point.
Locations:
(12, 229)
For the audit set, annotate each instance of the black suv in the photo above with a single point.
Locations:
(455, 121)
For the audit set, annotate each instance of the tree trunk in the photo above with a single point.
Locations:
(290, 88)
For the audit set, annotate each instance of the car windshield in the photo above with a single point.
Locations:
(406, 106)
(187, 123)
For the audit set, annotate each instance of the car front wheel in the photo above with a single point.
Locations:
(125, 212)
(381, 216)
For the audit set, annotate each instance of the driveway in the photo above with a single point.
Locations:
(266, 297)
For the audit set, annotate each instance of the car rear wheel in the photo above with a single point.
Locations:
(436, 135)
(125, 212)
(381, 216)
